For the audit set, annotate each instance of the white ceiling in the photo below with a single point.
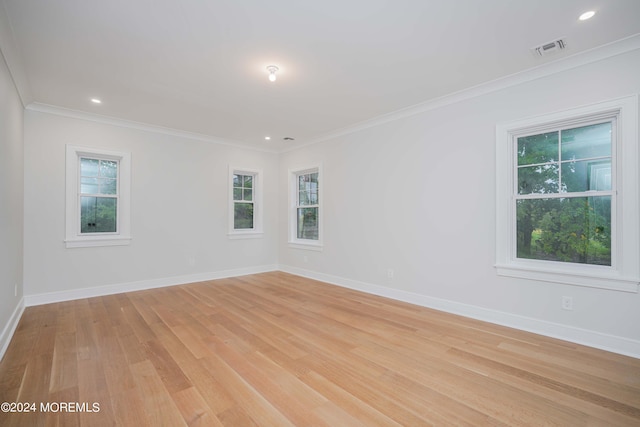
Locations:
(199, 65)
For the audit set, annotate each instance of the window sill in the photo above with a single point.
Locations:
(245, 235)
(306, 246)
(589, 276)
(98, 241)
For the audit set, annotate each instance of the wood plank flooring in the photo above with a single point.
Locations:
(275, 349)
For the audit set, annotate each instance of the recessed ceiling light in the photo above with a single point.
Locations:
(587, 15)
(96, 101)
(267, 138)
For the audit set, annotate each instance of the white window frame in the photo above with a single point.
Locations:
(294, 241)
(257, 230)
(624, 272)
(73, 237)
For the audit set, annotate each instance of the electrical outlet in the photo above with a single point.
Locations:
(389, 273)
(15, 290)
(567, 303)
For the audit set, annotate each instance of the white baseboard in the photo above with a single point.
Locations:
(589, 338)
(10, 328)
(73, 294)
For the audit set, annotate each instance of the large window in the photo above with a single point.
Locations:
(97, 197)
(306, 214)
(564, 194)
(567, 197)
(245, 203)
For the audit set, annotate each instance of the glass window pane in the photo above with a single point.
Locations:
(108, 169)
(586, 175)
(576, 230)
(313, 198)
(248, 181)
(237, 180)
(302, 182)
(88, 185)
(237, 194)
(541, 148)
(587, 142)
(307, 223)
(98, 214)
(303, 198)
(248, 194)
(540, 179)
(108, 186)
(89, 167)
(243, 216)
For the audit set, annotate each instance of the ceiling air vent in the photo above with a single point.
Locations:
(550, 47)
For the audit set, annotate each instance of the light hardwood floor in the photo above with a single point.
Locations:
(279, 350)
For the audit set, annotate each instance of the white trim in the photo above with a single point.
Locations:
(600, 53)
(98, 241)
(306, 246)
(236, 235)
(73, 238)
(113, 121)
(581, 336)
(257, 231)
(293, 241)
(624, 273)
(97, 291)
(10, 327)
(612, 343)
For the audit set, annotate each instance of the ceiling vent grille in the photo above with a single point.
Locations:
(550, 47)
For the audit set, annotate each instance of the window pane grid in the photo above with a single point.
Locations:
(563, 195)
(98, 195)
(570, 154)
(307, 206)
(243, 202)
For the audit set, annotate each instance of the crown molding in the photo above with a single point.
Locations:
(114, 121)
(600, 53)
(11, 57)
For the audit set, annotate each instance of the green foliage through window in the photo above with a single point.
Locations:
(307, 206)
(243, 208)
(563, 195)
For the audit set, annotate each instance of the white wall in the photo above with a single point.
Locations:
(11, 191)
(417, 195)
(179, 211)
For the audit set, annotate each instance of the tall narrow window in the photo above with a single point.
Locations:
(242, 202)
(567, 197)
(245, 203)
(307, 206)
(97, 197)
(306, 212)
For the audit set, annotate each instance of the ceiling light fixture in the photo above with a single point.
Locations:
(587, 15)
(96, 101)
(267, 138)
(272, 72)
